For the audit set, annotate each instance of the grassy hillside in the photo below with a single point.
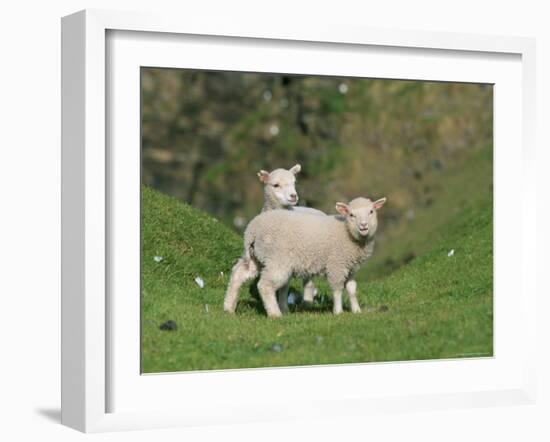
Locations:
(418, 302)
(468, 187)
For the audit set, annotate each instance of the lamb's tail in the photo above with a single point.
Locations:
(249, 239)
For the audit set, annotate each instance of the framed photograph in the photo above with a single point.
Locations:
(269, 223)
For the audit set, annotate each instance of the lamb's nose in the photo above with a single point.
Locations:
(363, 225)
(293, 196)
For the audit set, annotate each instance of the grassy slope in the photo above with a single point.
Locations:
(437, 306)
(468, 187)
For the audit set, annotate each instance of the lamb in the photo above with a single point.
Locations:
(279, 193)
(282, 243)
(280, 190)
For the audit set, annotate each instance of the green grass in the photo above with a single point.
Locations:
(426, 306)
(469, 186)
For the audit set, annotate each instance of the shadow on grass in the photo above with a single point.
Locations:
(321, 304)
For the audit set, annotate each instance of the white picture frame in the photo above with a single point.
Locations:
(88, 206)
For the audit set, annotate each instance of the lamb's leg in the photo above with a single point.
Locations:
(309, 291)
(282, 298)
(351, 287)
(337, 300)
(243, 270)
(267, 286)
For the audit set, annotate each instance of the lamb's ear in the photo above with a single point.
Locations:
(342, 208)
(379, 203)
(296, 169)
(264, 176)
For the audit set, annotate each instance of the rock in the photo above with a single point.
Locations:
(169, 326)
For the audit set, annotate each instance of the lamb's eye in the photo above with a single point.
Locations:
(351, 215)
(371, 211)
(276, 185)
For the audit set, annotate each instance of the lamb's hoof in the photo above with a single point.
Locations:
(274, 314)
(356, 310)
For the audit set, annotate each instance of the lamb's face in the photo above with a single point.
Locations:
(361, 217)
(281, 185)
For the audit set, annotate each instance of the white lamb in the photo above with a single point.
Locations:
(280, 190)
(279, 193)
(282, 243)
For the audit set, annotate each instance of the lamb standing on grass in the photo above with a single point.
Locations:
(282, 243)
(279, 193)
